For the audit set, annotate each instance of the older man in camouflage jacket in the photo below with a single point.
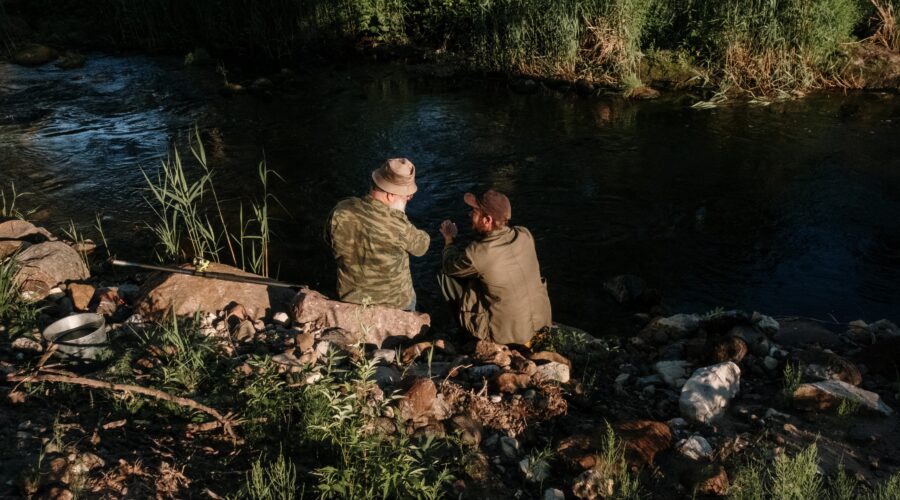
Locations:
(372, 240)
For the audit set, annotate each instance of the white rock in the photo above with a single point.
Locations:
(322, 348)
(386, 356)
(496, 398)
(672, 371)
(695, 447)
(552, 372)
(682, 322)
(281, 318)
(312, 378)
(709, 390)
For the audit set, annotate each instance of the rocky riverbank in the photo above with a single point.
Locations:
(687, 406)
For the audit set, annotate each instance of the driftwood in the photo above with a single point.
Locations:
(225, 421)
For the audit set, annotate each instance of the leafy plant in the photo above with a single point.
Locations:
(797, 478)
(275, 480)
(748, 483)
(791, 379)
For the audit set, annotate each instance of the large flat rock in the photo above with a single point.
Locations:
(830, 394)
(185, 295)
(45, 265)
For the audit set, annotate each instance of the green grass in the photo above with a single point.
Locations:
(276, 480)
(797, 477)
(184, 355)
(792, 377)
(8, 202)
(19, 315)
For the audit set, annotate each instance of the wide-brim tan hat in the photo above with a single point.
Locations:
(396, 176)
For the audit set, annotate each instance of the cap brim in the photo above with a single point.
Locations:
(392, 188)
(471, 200)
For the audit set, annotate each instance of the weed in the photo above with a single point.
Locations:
(890, 490)
(792, 378)
(843, 487)
(19, 314)
(183, 353)
(748, 483)
(98, 226)
(274, 481)
(611, 474)
(79, 242)
(797, 478)
(8, 207)
(538, 465)
(888, 33)
(848, 408)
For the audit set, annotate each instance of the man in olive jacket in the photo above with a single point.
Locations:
(372, 240)
(495, 282)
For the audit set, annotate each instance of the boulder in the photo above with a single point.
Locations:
(185, 295)
(33, 54)
(45, 265)
(830, 394)
(644, 439)
(17, 229)
(766, 324)
(802, 333)
(371, 324)
(707, 393)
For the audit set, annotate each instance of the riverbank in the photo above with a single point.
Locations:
(735, 47)
(248, 396)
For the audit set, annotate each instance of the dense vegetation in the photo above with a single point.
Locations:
(757, 45)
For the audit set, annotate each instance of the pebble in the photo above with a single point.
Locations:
(554, 494)
(496, 398)
(509, 447)
(622, 378)
(770, 363)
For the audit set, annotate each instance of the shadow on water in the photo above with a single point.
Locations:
(791, 208)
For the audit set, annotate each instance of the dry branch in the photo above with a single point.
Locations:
(224, 420)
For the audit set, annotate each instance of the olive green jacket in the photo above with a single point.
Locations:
(506, 300)
(372, 243)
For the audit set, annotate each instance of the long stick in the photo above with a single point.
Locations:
(208, 274)
(99, 384)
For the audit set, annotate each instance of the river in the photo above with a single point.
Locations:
(791, 208)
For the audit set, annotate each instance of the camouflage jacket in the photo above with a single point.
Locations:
(371, 244)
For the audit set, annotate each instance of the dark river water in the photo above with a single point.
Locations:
(790, 209)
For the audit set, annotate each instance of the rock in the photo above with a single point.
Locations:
(372, 324)
(822, 365)
(184, 295)
(625, 288)
(386, 376)
(695, 447)
(17, 229)
(385, 356)
(483, 371)
(535, 471)
(584, 86)
(642, 93)
(45, 265)
(414, 351)
(552, 372)
(33, 54)
(622, 378)
(677, 423)
(281, 318)
(766, 324)
(711, 480)
(289, 362)
(305, 341)
(672, 372)
(830, 394)
(491, 353)
(509, 447)
(509, 382)
(549, 356)
(71, 60)
(644, 439)
(673, 352)
(593, 484)
(10, 247)
(520, 364)
(245, 332)
(25, 344)
(553, 494)
(709, 390)
(577, 451)
(728, 349)
(81, 295)
(56, 492)
(106, 301)
(418, 401)
(770, 363)
(469, 430)
(803, 333)
(681, 323)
